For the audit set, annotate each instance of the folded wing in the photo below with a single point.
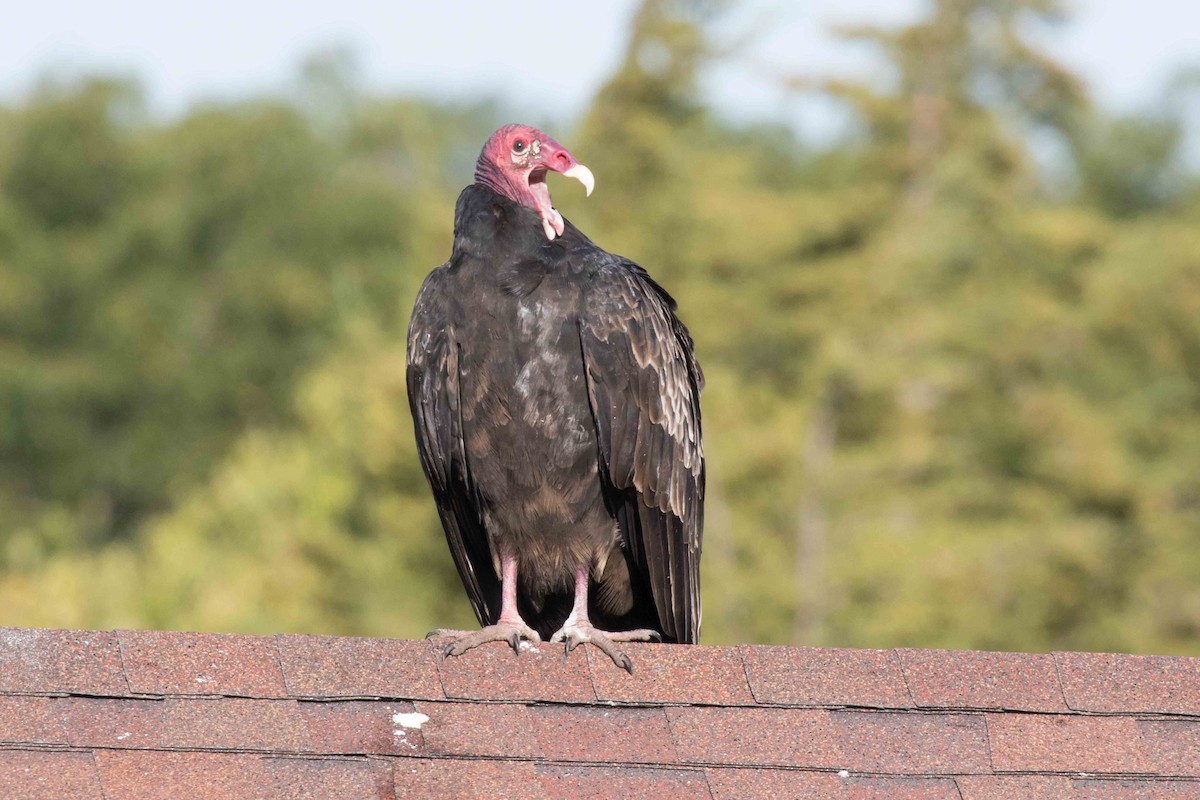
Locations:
(644, 386)
(433, 395)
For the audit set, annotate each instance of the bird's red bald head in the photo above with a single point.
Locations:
(514, 162)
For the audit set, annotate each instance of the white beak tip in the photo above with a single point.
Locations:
(584, 175)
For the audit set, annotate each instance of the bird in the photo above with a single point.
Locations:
(555, 397)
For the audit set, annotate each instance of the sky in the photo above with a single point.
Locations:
(542, 58)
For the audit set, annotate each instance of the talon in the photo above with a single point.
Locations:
(655, 636)
(510, 634)
(575, 634)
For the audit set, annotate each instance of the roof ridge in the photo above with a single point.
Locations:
(111, 714)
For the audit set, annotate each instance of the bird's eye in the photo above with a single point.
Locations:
(519, 146)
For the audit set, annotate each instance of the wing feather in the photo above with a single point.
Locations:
(644, 385)
(433, 396)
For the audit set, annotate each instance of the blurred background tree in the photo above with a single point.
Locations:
(953, 381)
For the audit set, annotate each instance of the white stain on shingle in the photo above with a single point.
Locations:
(411, 719)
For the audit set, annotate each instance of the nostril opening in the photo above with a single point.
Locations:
(563, 159)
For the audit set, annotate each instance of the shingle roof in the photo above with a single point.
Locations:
(148, 714)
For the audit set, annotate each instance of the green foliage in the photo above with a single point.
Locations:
(945, 407)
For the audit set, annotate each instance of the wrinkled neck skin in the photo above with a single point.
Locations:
(527, 188)
(503, 183)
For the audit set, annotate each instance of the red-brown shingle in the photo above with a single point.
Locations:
(1088, 789)
(30, 775)
(1172, 746)
(466, 779)
(235, 723)
(1106, 682)
(905, 744)
(56, 661)
(332, 778)
(159, 775)
(1014, 787)
(238, 717)
(112, 722)
(171, 663)
(1060, 743)
(479, 729)
(755, 736)
(598, 734)
(30, 720)
(805, 676)
(358, 727)
(874, 788)
(606, 783)
(740, 783)
(956, 679)
(673, 674)
(539, 673)
(330, 666)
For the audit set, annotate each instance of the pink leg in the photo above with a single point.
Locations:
(508, 591)
(578, 628)
(509, 627)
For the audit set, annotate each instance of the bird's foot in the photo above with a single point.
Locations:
(511, 633)
(575, 634)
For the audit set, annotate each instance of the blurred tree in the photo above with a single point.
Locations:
(72, 162)
(178, 354)
(946, 405)
(1131, 165)
(164, 289)
(980, 492)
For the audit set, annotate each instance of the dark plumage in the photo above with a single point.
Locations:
(556, 401)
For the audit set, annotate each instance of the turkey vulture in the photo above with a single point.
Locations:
(555, 397)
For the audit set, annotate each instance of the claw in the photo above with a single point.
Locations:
(576, 633)
(511, 633)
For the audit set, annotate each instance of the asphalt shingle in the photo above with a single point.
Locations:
(138, 715)
(170, 663)
(1062, 743)
(949, 679)
(767, 737)
(540, 673)
(1114, 683)
(49, 661)
(679, 675)
(571, 782)
(331, 666)
(806, 676)
(30, 720)
(48, 775)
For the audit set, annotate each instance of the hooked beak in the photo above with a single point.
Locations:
(584, 175)
(554, 156)
(552, 221)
